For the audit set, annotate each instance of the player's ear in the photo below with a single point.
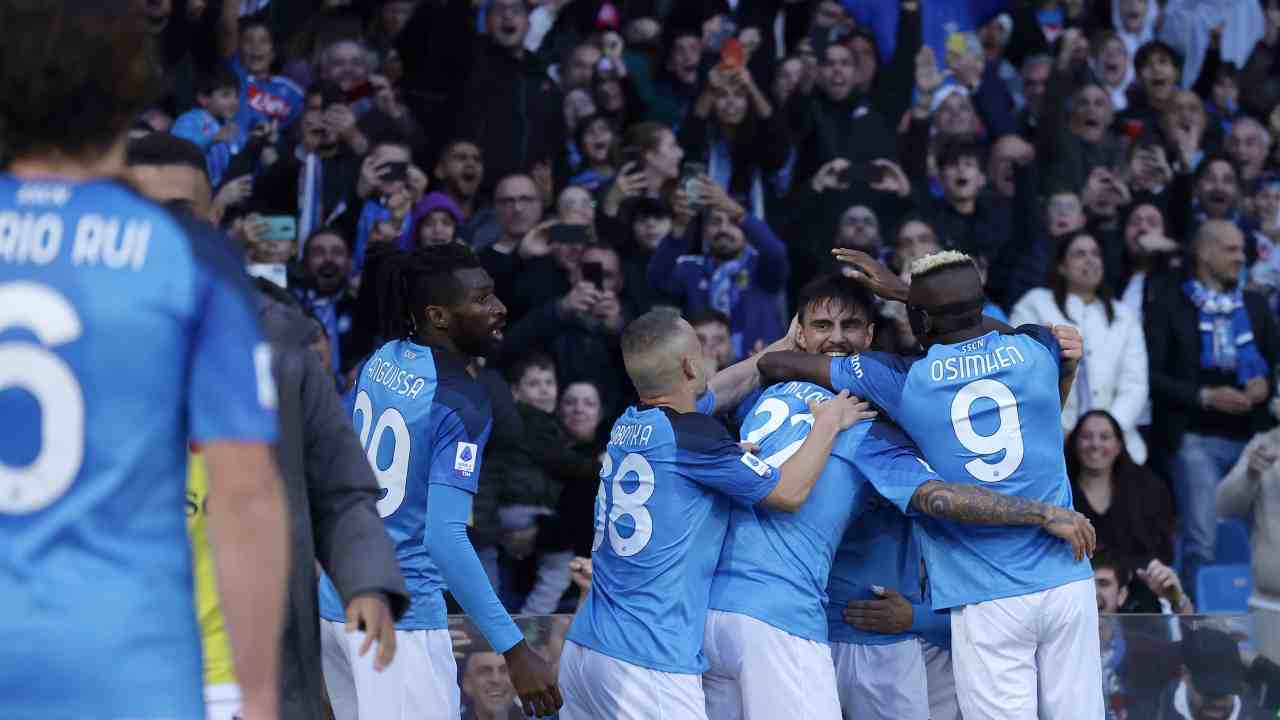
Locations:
(871, 333)
(801, 342)
(439, 317)
(689, 366)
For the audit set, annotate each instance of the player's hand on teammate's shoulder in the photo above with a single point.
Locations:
(371, 614)
(1070, 342)
(534, 681)
(890, 613)
(871, 273)
(1074, 528)
(841, 411)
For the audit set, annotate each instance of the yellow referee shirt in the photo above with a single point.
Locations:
(218, 667)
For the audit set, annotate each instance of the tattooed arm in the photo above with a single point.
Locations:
(979, 506)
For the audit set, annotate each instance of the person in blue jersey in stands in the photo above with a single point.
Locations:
(767, 631)
(424, 422)
(126, 332)
(669, 477)
(985, 407)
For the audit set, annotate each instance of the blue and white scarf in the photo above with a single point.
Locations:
(724, 288)
(1216, 308)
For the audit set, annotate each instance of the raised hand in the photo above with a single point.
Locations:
(892, 179)
(833, 175)
(871, 273)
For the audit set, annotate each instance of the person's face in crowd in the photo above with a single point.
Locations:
(835, 328)
(808, 56)
(346, 65)
(1113, 62)
(1035, 79)
(1101, 194)
(196, 8)
(1143, 220)
(1218, 189)
(859, 229)
(1225, 92)
(1159, 77)
(962, 180)
(158, 13)
(257, 51)
(537, 388)
(1248, 144)
(993, 39)
(395, 15)
(1081, 267)
(580, 411)
(175, 185)
(837, 72)
(788, 78)
(1002, 166)
(487, 683)
(650, 229)
(517, 205)
(1111, 595)
(317, 135)
(828, 14)
(223, 103)
(576, 206)
(328, 262)
(915, 240)
(865, 62)
(731, 105)
(1203, 707)
(597, 142)
(1266, 203)
(1065, 214)
(1091, 113)
(437, 228)
(577, 105)
(717, 350)
(1221, 257)
(461, 169)
(507, 22)
(664, 160)
(581, 67)
(608, 95)
(1186, 111)
(1097, 445)
(955, 116)
(725, 239)
(686, 52)
(1132, 14)
(610, 267)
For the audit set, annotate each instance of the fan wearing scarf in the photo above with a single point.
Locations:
(1212, 345)
(740, 272)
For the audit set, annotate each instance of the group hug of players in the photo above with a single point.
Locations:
(738, 577)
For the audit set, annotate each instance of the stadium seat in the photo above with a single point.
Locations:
(1224, 588)
(1232, 543)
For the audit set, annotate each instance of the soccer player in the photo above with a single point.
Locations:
(424, 422)
(767, 631)
(985, 409)
(124, 334)
(670, 472)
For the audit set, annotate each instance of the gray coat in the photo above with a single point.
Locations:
(331, 496)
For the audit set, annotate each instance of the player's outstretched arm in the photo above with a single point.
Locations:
(1071, 346)
(776, 367)
(979, 506)
(734, 383)
(249, 534)
(446, 539)
(800, 472)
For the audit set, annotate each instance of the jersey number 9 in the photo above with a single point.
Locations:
(1007, 438)
(625, 505)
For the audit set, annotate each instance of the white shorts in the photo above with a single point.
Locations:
(598, 687)
(221, 701)
(421, 683)
(760, 672)
(882, 682)
(942, 682)
(1030, 656)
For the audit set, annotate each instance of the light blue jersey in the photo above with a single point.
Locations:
(662, 511)
(775, 566)
(422, 420)
(125, 333)
(985, 412)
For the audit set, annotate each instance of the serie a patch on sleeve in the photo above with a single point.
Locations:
(464, 459)
(757, 465)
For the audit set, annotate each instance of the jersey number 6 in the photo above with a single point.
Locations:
(625, 505)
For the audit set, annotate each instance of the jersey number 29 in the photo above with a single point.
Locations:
(394, 478)
(1006, 438)
(625, 505)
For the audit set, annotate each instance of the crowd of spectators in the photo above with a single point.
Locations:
(1114, 165)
